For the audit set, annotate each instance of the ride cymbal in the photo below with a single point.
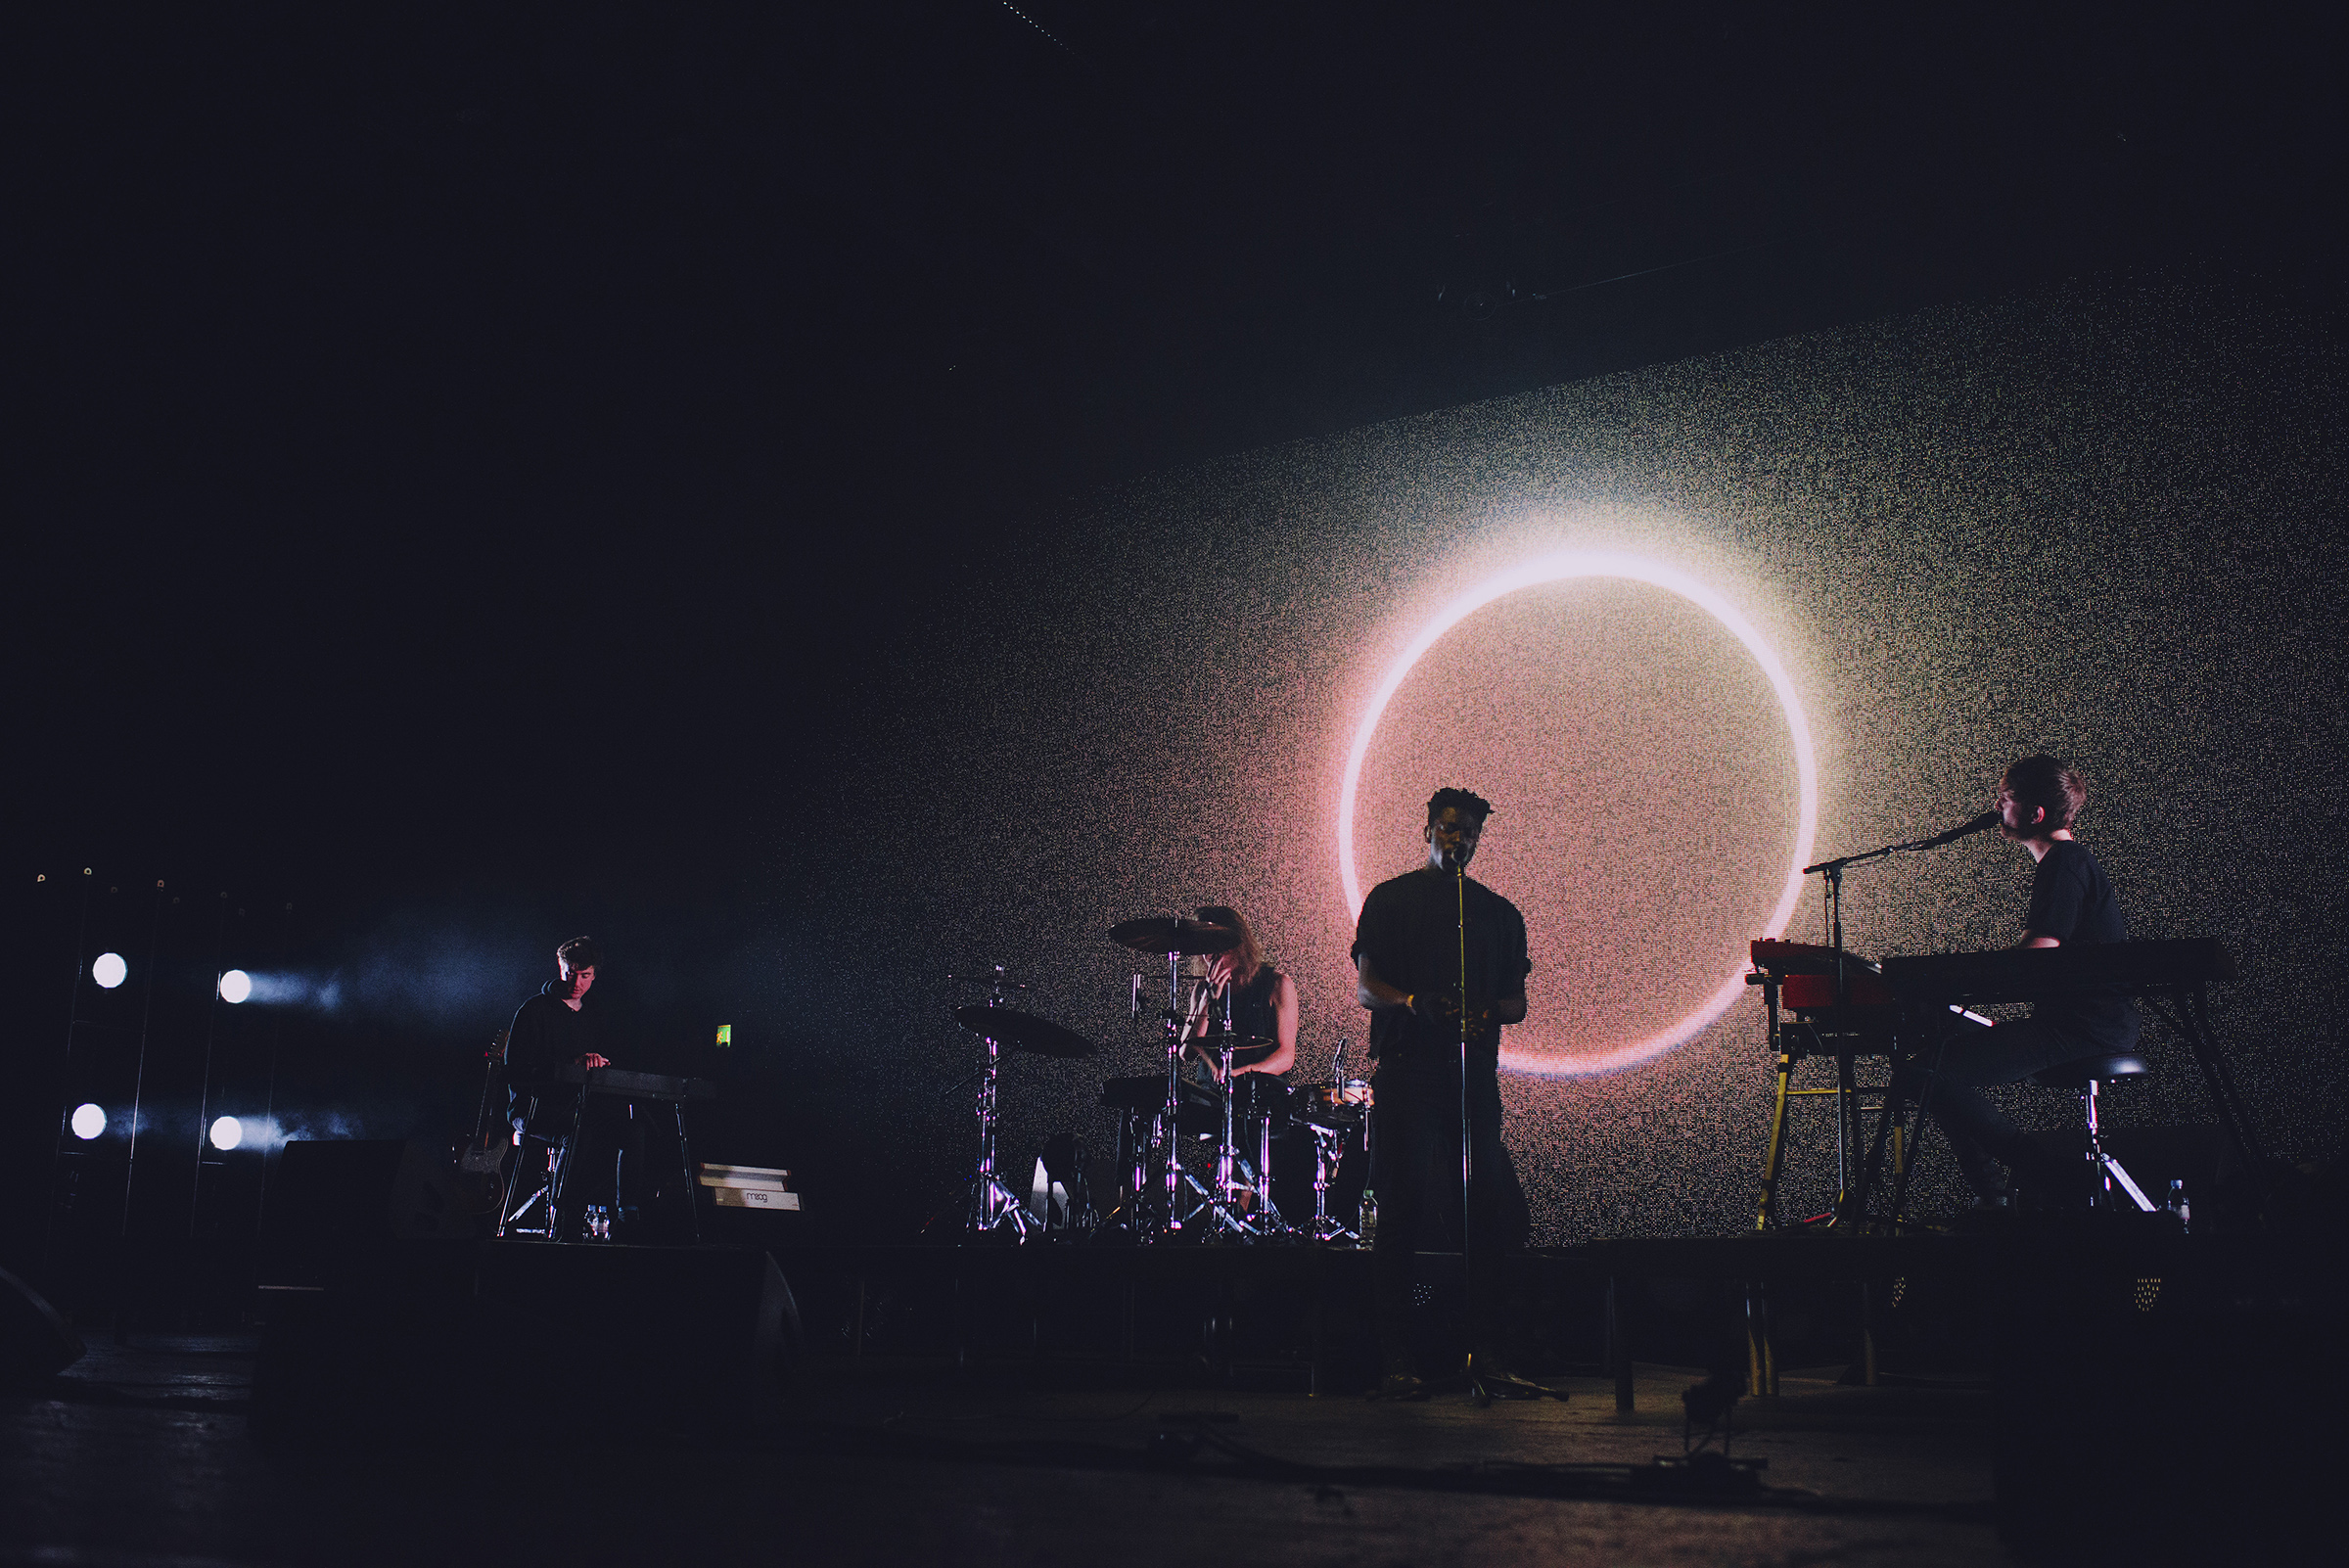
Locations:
(1158, 933)
(1023, 1031)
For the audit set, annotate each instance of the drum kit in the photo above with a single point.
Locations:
(1241, 1113)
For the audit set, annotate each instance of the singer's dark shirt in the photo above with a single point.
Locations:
(2072, 901)
(1411, 931)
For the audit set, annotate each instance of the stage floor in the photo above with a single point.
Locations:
(139, 1455)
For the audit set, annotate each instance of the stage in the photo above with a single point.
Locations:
(983, 1465)
(2062, 1389)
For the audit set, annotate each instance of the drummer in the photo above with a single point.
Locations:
(1263, 1004)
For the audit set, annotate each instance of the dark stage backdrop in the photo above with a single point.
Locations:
(2097, 522)
(2100, 521)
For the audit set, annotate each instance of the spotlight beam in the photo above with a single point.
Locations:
(1563, 567)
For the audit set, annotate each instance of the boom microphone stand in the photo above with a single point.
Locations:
(1852, 1207)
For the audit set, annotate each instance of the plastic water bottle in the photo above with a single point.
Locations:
(1369, 1224)
(2179, 1207)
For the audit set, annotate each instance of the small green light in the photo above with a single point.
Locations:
(725, 1033)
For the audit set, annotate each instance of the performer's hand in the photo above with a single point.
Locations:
(593, 1060)
(1443, 1009)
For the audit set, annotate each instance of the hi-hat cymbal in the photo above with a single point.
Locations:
(1162, 935)
(1023, 1031)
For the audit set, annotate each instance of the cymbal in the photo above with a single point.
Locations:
(1023, 1031)
(1239, 1043)
(1161, 935)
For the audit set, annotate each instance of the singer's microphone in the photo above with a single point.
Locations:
(1988, 819)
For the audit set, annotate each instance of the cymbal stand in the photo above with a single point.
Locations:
(1165, 1151)
(1269, 1219)
(992, 1204)
(1218, 1206)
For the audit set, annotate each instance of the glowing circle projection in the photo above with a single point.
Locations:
(227, 1133)
(88, 1122)
(235, 986)
(1566, 566)
(110, 970)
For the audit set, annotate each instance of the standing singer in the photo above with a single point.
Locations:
(1409, 966)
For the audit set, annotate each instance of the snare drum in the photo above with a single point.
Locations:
(1336, 1105)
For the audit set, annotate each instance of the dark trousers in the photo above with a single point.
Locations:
(1415, 1172)
(1982, 1136)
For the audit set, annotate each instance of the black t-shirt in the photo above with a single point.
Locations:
(1411, 931)
(1251, 1011)
(545, 1035)
(2072, 901)
(1253, 1017)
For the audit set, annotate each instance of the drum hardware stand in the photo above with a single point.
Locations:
(1326, 1142)
(1176, 938)
(1329, 1144)
(1218, 1206)
(1165, 1138)
(1166, 1154)
(1268, 1213)
(992, 1204)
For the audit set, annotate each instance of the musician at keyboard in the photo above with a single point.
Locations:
(559, 1028)
(2072, 904)
(554, 1029)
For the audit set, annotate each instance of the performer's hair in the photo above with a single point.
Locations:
(2052, 786)
(578, 953)
(1468, 800)
(1246, 958)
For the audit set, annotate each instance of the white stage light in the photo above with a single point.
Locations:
(110, 970)
(235, 986)
(88, 1122)
(227, 1133)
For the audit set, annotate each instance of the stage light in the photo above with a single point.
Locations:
(88, 1122)
(227, 1133)
(1562, 567)
(110, 970)
(235, 986)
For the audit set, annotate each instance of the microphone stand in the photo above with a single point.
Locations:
(1459, 885)
(1482, 1385)
(1832, 872)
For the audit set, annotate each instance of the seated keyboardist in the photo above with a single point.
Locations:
(553, 1030)
(2072, 904)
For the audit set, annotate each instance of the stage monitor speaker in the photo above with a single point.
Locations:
(34, 1341)
(584, 1338)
